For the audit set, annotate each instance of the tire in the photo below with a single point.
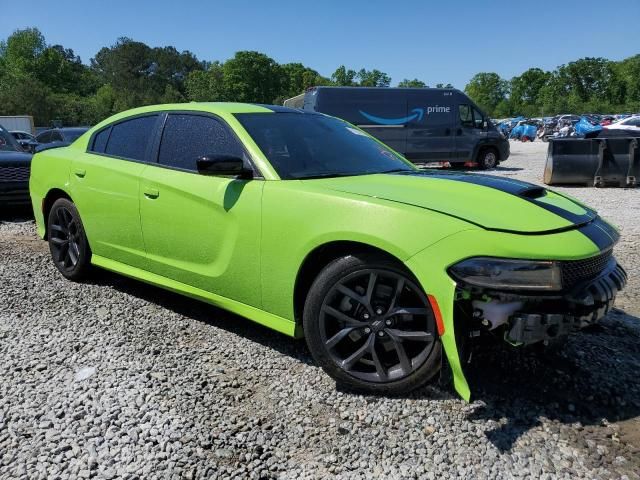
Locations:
(487, 158)
(384, 353)
(68, 243)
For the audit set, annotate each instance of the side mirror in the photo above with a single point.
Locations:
(222, 165)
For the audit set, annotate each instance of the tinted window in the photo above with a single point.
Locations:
(56, 137)
(100, 140)
(477, 118)
(44, 137)
(7, 142)
(73, 135)
(312, 145)
(466, 117)
(129, 139)
(187, 137)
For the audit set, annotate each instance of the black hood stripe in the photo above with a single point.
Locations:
(523, 190)
(600, 234)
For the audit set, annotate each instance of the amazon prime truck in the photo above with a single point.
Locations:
(424, 124)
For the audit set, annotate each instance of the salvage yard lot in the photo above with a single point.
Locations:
(116, 379)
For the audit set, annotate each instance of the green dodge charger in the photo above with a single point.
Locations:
(307, 225)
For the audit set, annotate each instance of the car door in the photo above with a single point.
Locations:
(430, 127)
(104, 185)
(470, 132)
(201, 230)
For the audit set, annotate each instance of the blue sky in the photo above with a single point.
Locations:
(442, 41)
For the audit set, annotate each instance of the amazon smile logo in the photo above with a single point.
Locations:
(416, 114)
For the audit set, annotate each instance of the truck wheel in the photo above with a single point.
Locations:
(369, 325)
(487, 158)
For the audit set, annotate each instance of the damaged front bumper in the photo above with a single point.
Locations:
(585, 305)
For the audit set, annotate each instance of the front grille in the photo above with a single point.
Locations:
(14, 174)
(577, 271)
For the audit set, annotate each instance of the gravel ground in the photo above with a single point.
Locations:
(116, 379)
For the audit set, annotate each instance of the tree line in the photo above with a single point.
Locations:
(587, 85)
(51, 83)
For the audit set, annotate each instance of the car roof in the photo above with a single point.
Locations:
(220, 108)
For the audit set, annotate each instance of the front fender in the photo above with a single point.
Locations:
(431, 264)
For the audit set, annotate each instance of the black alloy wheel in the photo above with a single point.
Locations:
(67, 240)
(371, 327)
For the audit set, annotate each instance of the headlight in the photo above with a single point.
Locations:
(505, 274)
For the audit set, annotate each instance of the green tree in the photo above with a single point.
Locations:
(206, 85)
(297, 78)
(252, 77)
(487, 89)
(443, 85)
(415, 83)
(344, 77)
(526, 90)
(140, 74)
(373, 78)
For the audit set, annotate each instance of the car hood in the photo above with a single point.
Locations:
(14, 159)
(493, 203)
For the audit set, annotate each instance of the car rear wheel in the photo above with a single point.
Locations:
(67, 240)
(370, 326)
(487, 158)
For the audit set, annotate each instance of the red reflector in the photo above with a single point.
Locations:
(437, 313)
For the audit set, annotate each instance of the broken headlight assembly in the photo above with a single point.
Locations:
(508, 274)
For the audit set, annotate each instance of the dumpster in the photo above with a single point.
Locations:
(600, 162)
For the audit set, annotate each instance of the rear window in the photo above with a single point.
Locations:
(130, 139)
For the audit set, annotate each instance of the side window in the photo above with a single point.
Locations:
(129, 139)
(187, 137)
(56, 137)
(478, 119)
(466, 117)
(44, 137)
(100, 140)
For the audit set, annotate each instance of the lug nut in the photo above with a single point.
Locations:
(381, 333)
(367, 330)
(388, 322)
(378, 311)
(365, 316)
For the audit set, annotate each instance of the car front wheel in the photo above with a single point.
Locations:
(67, 240)
(370, 326)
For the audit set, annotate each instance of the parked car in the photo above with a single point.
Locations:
(308, 225)
(24, 139)
(629, 123)
(14, 171)
(568, 119)
(55, 136)
(423, 124)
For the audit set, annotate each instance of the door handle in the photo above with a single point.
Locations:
(151, 193)
(80, 172)
(447, 131)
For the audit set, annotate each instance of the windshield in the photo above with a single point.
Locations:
(8, 143)
(313, 146)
